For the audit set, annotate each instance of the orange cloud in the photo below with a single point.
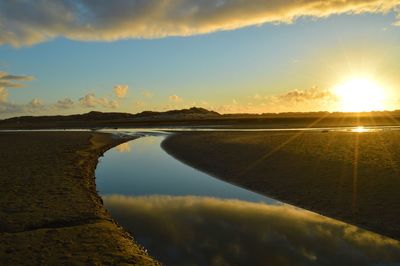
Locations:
(120, 90)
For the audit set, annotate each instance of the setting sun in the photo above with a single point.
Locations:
(360, 95)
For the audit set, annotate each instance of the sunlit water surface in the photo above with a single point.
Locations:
(186, 217)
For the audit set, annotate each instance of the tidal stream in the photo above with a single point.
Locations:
(186, 217)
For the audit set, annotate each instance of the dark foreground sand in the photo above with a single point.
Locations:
(353, 177)
(50, 213)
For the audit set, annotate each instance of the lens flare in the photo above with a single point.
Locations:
(360, 95)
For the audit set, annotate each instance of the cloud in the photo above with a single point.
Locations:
(36, 106)
(124, 147)
(3, 95)
(121, 90)
(175, 98)
(30, 22)
(10, 81)
(7, 80)
(313, 93)
(179, 230)
(36, 103)
(297, 100)
(66, 103)
(10, 84)
(6, 76)
(9, 108)
(91, 101)
(237, 107)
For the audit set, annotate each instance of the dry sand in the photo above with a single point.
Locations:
(353, 177)
(50, 212)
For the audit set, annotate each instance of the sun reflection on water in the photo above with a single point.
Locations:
(361, 129)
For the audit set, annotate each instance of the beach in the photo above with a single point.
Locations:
(50, 212)
(350, 176)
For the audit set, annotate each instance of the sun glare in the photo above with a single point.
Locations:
(360, 129)
(360, 95)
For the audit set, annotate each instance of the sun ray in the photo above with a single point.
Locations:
(355, 171)
(279, 147)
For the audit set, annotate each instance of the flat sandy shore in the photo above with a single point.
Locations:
(353, 177)
(50, 213)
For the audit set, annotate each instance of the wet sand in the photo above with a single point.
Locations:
(50, 212)
(353, 177)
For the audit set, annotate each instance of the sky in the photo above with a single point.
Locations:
(64, 57)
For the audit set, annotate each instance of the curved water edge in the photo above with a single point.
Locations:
(185, 216)
(182, 180)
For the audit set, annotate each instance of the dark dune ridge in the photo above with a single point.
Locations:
(50, 213)
(353, 177)
(203, 118)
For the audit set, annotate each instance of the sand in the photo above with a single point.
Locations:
(50, 212)
(353, 177)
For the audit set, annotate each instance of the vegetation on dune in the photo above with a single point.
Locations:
(201, 117)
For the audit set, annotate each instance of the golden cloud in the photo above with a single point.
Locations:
(310, 94)
(175, 98)
(120, 90)
(124, 147)
(30, 22)
(90, 100)
(3, 95)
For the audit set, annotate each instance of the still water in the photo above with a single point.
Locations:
(186, 217)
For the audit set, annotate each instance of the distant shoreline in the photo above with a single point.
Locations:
(199, 117)
(312, 170)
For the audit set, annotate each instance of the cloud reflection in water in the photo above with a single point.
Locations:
(208, 231)
(124, 147)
